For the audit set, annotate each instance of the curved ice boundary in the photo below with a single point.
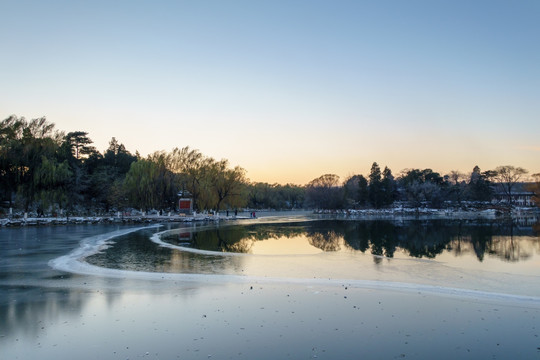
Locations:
(74, 263)
(156, 238)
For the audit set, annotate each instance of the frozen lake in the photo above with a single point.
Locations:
(278, 287)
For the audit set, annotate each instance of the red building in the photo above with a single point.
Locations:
(185, 203)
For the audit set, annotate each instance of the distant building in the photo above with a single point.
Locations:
(185, 203)
(520, 196)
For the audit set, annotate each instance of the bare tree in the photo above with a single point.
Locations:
(507, 177)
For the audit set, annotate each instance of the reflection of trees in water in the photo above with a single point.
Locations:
(509, 249)
(419, 238)
(378, 236)
(326, 241)
(30, 310)
(231, 239)
(240, 239)
(504, 241)
(30, 316)
(133, 252)
(431, 238)
(426, 238)
(136, 253)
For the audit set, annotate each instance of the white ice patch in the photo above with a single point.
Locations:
(74, 261)
(156, 238)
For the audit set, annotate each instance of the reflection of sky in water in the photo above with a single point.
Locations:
(296, 245)
(488, 257)
(475, 246)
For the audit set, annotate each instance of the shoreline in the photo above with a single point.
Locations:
(530, 215)
(88, 220)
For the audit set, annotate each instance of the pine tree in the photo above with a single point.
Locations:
(376, 195)
(388, 187)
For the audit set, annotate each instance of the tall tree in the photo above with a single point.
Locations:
(77, 150)
(479, 186)
(376, 192)
(79, 143)
(117, 157)
(389, 187)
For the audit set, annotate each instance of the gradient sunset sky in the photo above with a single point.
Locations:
(289, 90)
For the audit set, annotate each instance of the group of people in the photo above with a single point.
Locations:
(251, 214)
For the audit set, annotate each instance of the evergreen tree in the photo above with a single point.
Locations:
(389, 187)
(79, 143)
(363, 190)
(479, 186)
(376, 193)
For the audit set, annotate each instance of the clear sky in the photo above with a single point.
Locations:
(289, 90)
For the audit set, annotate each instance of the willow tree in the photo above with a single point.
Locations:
(39, 141)
(51, 181)
(191, 169)
(11, 130)
(212, 184)
(228, 184)
(149, 183)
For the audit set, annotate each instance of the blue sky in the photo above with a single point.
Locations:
(289, 90)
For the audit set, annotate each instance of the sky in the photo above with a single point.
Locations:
(288, 90)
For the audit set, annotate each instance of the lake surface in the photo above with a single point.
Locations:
(300, 287)
(484, 256)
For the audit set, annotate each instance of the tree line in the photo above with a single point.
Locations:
(417, 187)
(46, 170)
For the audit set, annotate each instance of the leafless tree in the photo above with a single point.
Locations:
(507, 177)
